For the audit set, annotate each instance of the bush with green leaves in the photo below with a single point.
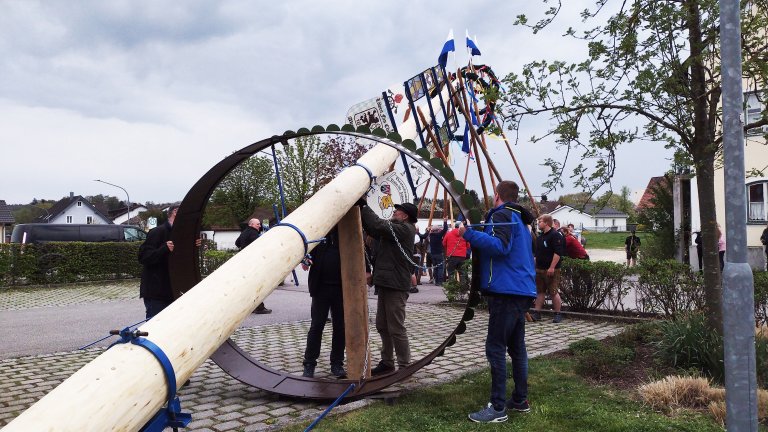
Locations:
(213, 259)
(688, 343)
(591, 285)
(66, 262)
(668, 287)
(458, 291)
(761, 296)
(596, 359)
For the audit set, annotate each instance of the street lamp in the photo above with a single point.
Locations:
(126, 194)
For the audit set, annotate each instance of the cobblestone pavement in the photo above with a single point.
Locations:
(218, 402)
(18, 298)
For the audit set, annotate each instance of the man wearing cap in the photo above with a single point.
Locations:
(392, 277)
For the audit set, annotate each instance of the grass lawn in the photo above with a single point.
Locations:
(560, 401)
(615, 240)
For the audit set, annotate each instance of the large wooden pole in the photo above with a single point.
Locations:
(124, 387)
(355, 295)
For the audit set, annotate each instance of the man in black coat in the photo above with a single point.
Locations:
(392, 277)
(248, 236)
(325, 288)
(155, 286)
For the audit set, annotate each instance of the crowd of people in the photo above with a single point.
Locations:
(518, 269)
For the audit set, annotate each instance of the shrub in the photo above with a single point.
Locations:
(668, 287)
(213, 259)
(597, 360)
(458, 291)
(590, 285)
(63, 262)
(761, 296)
(687, 343)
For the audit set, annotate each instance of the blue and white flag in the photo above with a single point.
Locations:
(472, 46)
(447, 47)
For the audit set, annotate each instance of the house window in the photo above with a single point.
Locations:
(79, 203)
(753, 113)
(613, 222)
(756, 199)
(69, 219)
(89, 219)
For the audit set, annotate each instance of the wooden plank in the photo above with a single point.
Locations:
(355, 295)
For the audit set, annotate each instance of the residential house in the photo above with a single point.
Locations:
(120, 216)
(6, 222)
(591, 218)
(74, 210)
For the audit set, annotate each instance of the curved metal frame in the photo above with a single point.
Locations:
(185, 272)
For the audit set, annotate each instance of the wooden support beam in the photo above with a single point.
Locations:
(355, 295)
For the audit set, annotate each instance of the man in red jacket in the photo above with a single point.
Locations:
(456, 251)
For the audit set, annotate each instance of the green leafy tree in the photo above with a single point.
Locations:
(250, 185)
(657, 218)
(303, 164)
(652, 72)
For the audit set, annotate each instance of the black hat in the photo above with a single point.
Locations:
(410, 210)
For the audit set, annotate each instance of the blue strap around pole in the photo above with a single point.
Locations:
(301, 233)
(171, 416)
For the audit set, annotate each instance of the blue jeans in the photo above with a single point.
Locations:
(439, 271)
(154, 306)
(506, 334)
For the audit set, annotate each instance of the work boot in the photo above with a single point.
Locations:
(338, 371)
(413, 290)
(309, 371)
(261, 309)
(382, 369)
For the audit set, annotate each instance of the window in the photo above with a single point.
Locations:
(79, 203)
(69, 219)
(753, 113)
(89, 219)
(756, 201)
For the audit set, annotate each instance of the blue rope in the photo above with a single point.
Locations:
(301, 233)
(328, 410)
(113, 333)
(279, 180)
(371, 177)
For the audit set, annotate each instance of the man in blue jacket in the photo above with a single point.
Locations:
(508, 280)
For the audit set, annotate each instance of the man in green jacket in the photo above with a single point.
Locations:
(392, 277)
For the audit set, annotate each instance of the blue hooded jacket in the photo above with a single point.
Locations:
(505, 253)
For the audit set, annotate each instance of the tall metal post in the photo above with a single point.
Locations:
(738, 283)
(126, 195)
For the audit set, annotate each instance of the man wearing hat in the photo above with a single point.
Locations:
(392, 277)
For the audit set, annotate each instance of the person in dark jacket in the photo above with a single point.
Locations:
(550, 248)
(507, 280)
(436, 251)
(248, 236)
(392, 272)
(155, 286)
(325, 289)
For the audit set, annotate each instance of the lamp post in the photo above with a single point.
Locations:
(126, 194)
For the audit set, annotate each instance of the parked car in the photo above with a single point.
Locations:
(44, 233)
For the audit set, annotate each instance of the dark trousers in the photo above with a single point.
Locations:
(320, 307)
(154, 306)
(454, 264)
(439, 272)
(390, 323)
(506, 334)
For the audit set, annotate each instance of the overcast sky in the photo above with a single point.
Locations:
(149, 95)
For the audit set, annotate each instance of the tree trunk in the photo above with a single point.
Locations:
(713, 292)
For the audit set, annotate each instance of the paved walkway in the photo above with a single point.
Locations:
(218, 402)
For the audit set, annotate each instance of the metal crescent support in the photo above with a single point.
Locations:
(185, 274)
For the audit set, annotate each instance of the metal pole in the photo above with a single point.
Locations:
(126, 195)
(738, 284)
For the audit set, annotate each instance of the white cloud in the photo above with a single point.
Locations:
(150, 95)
